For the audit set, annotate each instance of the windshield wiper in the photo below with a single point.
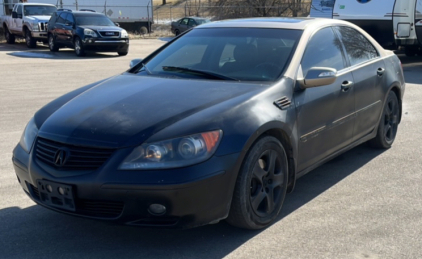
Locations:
(201, 72)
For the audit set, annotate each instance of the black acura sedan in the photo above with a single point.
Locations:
(216, 124)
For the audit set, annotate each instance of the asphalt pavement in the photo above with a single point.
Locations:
(367, 203)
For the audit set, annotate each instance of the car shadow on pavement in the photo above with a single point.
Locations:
(36, 232)
(20, 50)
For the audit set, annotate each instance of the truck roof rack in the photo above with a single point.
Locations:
(64, 10)
(87, 10)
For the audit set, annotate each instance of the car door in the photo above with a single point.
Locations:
(324, 114)
(192, 23)
(68, 29)
(17, 22)
(183, 26)
(60, 29)
(368, 72)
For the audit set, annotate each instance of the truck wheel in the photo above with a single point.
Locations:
(30, 41)
(10, 38)
(79, 48)
(52, 43)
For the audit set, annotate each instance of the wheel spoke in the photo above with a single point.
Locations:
(257, 200)
(270, 201)
(388, 131)
(259, 172)
(271, 163)
(278, 180)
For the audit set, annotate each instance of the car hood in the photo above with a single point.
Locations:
(41, 18)
(128, 109)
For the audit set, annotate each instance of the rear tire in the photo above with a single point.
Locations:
(177, 32)
(387, 128)
(10, 38)
(30, 41)
(122, 53)
(261, 185)
(79, 47)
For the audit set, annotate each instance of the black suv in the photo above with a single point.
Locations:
(86, 31)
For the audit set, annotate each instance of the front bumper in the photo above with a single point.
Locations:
(106, 45)
(39, 35)
(193, 196)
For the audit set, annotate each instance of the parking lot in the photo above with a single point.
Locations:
(366, 203)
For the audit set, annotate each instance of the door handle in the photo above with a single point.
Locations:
(380, 71)
(346, 85)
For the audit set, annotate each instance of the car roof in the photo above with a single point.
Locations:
(28, 4)
(300, 23)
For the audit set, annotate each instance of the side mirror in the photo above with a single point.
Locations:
(135, 62)
(14, 15)
(319, 76)
(117, 24)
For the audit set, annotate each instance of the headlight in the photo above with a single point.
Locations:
(28, 136)
(124, 34)
(35, 26)
(91, 33)
(173, 153)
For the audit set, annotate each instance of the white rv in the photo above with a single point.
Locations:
(392, 23)
(130, 14)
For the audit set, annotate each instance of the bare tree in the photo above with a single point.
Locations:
(224, 9)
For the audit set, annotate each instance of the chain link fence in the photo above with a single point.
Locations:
(167, 13)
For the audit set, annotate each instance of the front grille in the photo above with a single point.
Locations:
(90, 208)
(110, 33)
(43, 26)
(75, 158)
(100, 209)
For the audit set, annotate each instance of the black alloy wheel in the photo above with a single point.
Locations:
(387, 128)
(261, 185)
(30, 41)
(79, 48)
(52, 43)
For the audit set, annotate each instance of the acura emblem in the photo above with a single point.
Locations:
(61, 157)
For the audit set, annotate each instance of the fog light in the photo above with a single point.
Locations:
(49, 188)
(157, 209)
(62, 191)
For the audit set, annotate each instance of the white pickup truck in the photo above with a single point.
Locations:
(28, 20)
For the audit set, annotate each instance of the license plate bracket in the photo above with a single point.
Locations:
(56, 195)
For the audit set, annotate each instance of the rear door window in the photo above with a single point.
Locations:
(62, 18)
(358, 48)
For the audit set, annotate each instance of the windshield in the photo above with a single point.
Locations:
(38, 10)
(97, 20)
(245, 54)
(202, 21)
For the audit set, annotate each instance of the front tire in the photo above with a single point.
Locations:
(387, 128)
(30, 41)
(79, 48)
(261, 185)
(10, 38)
(177, 32)
(52, 43)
